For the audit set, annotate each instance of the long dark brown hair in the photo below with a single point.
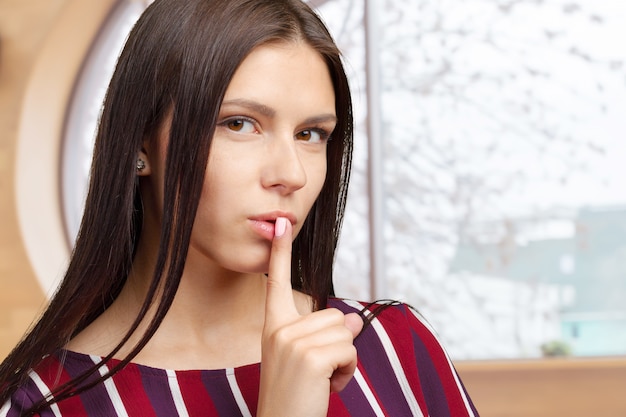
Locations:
(178, 60)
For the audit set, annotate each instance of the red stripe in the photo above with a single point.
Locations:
(130, 387)
(196, 398)
(336, 407)
(53, 374)
(394, 321)
(440, 360)
(249, 379)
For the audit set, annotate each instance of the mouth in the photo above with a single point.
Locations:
(264, 224)
(271, 217)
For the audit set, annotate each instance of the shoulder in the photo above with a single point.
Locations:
(398, 327)
(46, 379)
(398, 348)
(21, 400)
(37, 386)
(388, 316)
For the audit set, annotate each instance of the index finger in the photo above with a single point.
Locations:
(279, 302)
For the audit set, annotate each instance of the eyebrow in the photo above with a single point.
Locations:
(270, 112)
(251, 105)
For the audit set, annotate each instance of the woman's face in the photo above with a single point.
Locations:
(268, 155)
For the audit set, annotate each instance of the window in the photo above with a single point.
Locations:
(501, 146)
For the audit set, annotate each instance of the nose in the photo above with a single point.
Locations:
(283, 169)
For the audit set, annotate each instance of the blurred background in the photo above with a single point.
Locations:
(488, 184)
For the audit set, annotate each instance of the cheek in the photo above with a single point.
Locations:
(315, 182)
(225, 181)
(222, 171)
(319, 176)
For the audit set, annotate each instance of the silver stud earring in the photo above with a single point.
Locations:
(141, 164)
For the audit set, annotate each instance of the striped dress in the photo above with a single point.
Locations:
(402, 371)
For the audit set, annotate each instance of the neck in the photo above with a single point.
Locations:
(208, 295)
(215, 320)
(212, 306)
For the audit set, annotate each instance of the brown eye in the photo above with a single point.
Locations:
(304, 135)
(236, 125)
(312, 136)
(239, 125)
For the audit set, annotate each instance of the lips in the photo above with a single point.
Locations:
(264, 224)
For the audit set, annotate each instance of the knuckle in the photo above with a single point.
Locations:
(299, 348)
(335, 315)
(274, 284)
(312, 359)
(346, 335)
(349, 349)
(352, 351)
(281, 337)
(278, 338)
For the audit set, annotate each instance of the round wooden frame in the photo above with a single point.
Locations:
(40, 136)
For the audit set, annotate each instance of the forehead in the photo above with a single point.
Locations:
(291, 72)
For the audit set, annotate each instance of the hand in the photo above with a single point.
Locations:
(304, 358)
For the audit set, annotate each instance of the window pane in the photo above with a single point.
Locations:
(504, 148)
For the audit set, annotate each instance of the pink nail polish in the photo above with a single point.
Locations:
(280, 226)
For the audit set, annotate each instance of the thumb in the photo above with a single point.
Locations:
(354, 323)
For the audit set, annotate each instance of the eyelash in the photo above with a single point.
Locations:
(225, 122)
(324, 134)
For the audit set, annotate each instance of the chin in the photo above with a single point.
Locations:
(250, 267)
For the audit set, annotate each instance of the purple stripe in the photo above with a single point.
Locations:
(15, 411)
(25, 397)
(355, 401)
(378, 369)
(469, 400)
(381, 373)
(352, 396)
(219, 390)
(156, 386)
(430, 380)
(340, 305)
(95, 400)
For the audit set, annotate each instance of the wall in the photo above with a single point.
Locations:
(547, 388)
(23, 27)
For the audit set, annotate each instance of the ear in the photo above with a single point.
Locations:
(151, 146)
(143, 164)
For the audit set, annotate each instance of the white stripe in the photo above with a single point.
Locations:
(396, 365)
(232, 381)
(5, 408)
(45, 391)
(4, 411)
(109, 385)
(450, 365)
(177, 395)
(371, 398)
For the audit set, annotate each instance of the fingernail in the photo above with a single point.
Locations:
(280, 226)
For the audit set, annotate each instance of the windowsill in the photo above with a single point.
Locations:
(551, 387)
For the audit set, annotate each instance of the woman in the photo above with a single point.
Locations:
(226, 135)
